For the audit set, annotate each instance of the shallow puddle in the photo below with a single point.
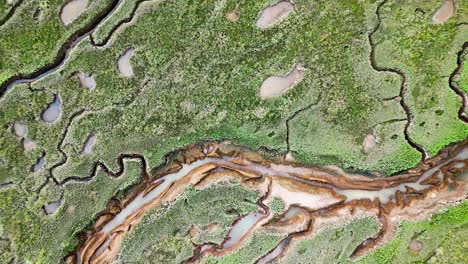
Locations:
(86, 80)
(28, 144)
(274, 13)
(276, 85)
(463, 176)
(20, 130)
(444, 13)
(292, 212)
(369, 143)
(39, 164)
(275, 253)
(50, 208)
(53, 111)
(72, 10)
(89, 144)
(123, 64)
(241, 228)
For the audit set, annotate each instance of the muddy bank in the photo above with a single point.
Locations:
(320, 194)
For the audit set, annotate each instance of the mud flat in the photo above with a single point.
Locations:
(274, 13)
(274, 86)
(123, 63)
(321, 195)
(72, 10)
(444, 13)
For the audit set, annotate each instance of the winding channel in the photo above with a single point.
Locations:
(312, 196)
(62, 53)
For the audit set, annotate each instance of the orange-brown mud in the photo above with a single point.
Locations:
(314, 197)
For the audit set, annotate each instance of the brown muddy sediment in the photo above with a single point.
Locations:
(321, 192)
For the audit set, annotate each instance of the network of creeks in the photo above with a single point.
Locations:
(312, 196)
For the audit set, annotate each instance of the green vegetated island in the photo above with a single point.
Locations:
(107, 103)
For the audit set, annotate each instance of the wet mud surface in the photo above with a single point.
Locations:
(313, 197)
